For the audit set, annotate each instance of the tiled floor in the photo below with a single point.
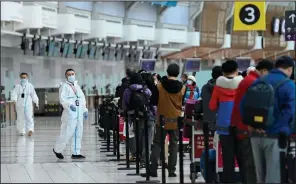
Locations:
(30, 159)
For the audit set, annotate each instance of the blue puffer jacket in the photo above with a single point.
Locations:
(284, 109)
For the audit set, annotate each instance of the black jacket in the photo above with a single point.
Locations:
(206, 94)
(125, 83)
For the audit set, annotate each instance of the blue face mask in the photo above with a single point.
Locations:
(24, 81)
(71, 78)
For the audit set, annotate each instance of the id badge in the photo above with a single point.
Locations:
(77, 103)
(23, 95)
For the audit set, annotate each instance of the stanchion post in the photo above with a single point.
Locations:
(180, 128)
(118, 137)
(118, 155)
(96, 111)
(162, 151)
(113, 120)
(205, 128)
(108, 135)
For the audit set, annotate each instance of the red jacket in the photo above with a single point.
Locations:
(236, 119)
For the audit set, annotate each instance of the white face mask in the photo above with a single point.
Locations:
(189, 82)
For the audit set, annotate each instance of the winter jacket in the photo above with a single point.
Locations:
(284, 108)
(206, 94)
(223, 99)
(120, 90)
(192, 93)
(170, 100)
(236, 119)
(127, 94)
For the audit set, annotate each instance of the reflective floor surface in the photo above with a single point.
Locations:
(31, 160)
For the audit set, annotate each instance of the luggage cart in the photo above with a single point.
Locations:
(197, 147)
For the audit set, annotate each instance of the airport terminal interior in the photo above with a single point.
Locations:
(72, 111)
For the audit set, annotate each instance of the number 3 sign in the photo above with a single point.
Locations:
(249, 16)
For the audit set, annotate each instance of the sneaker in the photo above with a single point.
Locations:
(77, 156)
(172, 175)
(58, 155)
(30, 133)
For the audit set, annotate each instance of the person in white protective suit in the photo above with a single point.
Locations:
(74, 112)
(23, 95)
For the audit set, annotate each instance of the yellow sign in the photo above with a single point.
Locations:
(249, 16)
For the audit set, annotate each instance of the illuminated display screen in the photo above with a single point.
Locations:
(65, 49)
(192, 65)
(243, 63)
(148, 65)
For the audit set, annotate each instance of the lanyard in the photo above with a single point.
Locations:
(74, 90)
(24, 88)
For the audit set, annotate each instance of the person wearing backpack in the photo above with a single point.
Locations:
(171, 92)
(125, 82)
(243, 151)
(149, 82)
(268, 108)
(136, 97)
(222, 101)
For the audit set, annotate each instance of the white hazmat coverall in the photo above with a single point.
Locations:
(24, 106)
(72, 122)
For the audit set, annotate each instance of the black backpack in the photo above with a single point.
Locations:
(258, 106)
(138, 100)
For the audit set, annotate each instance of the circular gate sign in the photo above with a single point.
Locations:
(249, 14)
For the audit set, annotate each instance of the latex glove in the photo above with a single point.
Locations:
(85, 115)
(73, 108)
(37, 106)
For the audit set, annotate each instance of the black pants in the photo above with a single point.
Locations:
(242, 150)
(228, 157)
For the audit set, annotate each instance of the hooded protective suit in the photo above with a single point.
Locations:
(72, 122)
(24, 106)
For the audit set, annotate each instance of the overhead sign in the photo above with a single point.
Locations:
(243, 63)
(290, 25)
(249, 16)
(147, 64)
(192, 65)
